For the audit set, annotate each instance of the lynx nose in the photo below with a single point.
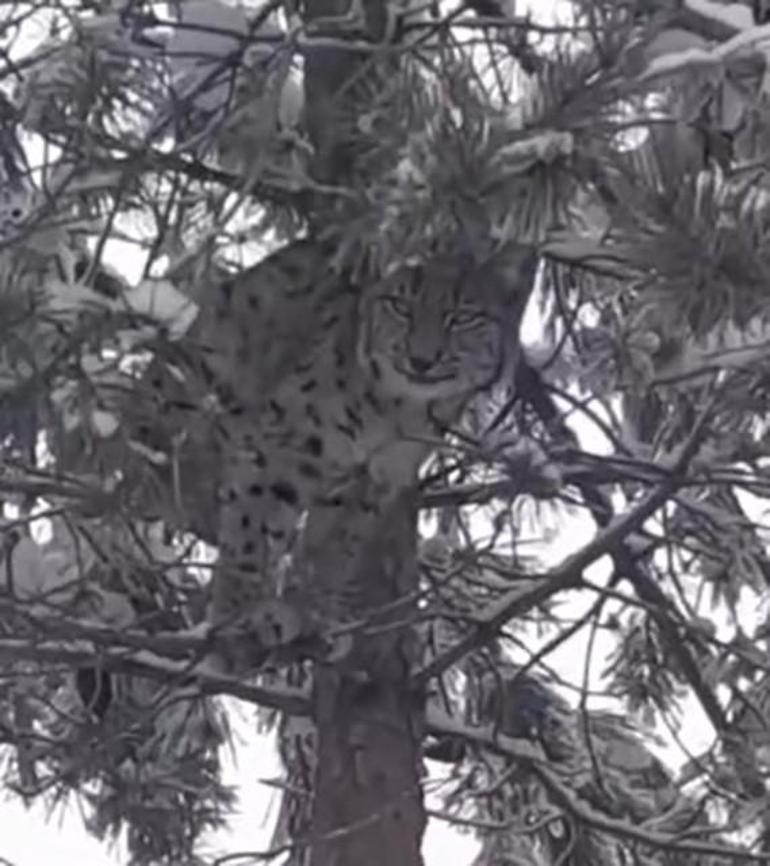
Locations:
(420, 365)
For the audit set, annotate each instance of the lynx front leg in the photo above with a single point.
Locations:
(259, 514)
(339, 527)
(261, 503)
(260, 510)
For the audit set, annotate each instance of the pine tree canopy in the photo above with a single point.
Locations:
(555, 636)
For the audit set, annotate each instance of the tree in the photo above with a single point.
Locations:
(147, 153)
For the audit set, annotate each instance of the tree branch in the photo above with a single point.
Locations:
(624, 561)
(565, 576)
(151, 666)
(522, 751)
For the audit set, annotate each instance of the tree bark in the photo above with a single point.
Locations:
(338, 82)
(368, 805)
(359, 564)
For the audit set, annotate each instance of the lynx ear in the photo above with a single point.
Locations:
(508, 258)
(515, 267)
(516, 259)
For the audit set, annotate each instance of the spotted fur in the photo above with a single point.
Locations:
(363, 389)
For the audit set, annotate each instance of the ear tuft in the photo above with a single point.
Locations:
(516, 265)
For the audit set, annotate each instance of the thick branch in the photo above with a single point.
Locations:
(533, 390)
(146, 664)
(565, 576)
(522, 751)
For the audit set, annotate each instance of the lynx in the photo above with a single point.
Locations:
(328, 383)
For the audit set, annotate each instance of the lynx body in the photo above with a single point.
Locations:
(329, 382)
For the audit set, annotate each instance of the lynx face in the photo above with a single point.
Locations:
(440, 331)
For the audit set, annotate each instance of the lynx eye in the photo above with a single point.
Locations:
(465, 317)
(397, 306)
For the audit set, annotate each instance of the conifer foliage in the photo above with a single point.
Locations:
(605, 503)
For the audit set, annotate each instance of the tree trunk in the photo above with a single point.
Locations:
(338, 82)
(359, 564)
(367, 807)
